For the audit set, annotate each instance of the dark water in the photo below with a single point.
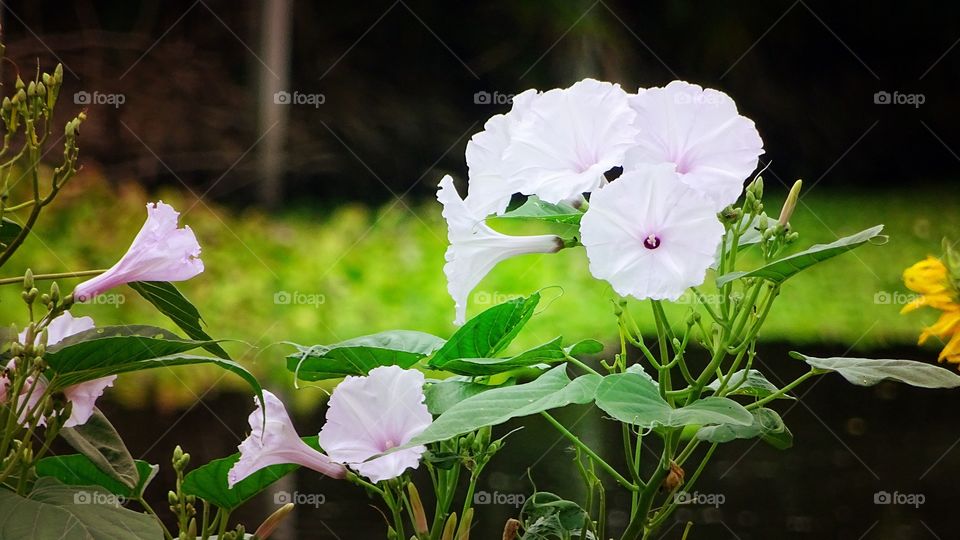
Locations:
(851, 445)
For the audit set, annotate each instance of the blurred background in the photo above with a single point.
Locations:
(303, 142)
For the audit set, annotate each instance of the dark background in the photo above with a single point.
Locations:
(399, 80)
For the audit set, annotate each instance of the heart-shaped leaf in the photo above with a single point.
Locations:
(868, 372)
(358, 356)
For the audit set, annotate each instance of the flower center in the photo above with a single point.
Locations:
(651, 242)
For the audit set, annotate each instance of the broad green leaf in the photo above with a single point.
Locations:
(99, 441)
(585, 347)
(9, 230)
(548, 516)
(209, 482)
(536, 209)
(868, 372)
(168, 300)
(780, 270)
(631, 398)
(78, 470)
(767, 425)
(53, 510)
(442, 395)
(551, 390)
(550, 352)
(748, 383)
(489, 333)
(358, 356)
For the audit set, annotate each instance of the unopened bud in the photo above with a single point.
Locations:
(450, 528)
(790, 204)
(271, 523)
(28, 280)
(416, 508)
(32, 89)
(463, 531)
(54, 292)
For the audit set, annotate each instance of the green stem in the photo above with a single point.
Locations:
(593, 455)
(61, 275)
(780, 393)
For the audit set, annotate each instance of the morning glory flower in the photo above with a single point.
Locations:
(82, 396)
(650, 235)
(373, 414)
(489, 192)
(475, 248)
(276, 442)
(568, 138)
(160, 252)
(698, 130)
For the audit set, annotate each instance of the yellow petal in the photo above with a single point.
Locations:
(928, 276)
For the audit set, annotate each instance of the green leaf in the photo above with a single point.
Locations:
(551, 390)
(53, 510)
(209, 482)
(585, 347)
(358, 356)
(78, 470)
(778, 271)
(868, 372)
(99, 441)
(551, 351)
(632, 398)
(442, 395)
(168, 300)
(548, 516)
(489, 333)
(9, 230)
(748, 383)
(767, 424)
(535, 209)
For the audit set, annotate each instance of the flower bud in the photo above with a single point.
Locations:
(172, 498)
(463, 531)
(450, 528)
(32, 89)
(54, 292)
(271, 523)
(790, 204)
(416, 508)
(28, 280)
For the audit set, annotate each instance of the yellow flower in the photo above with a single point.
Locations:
(931, 279)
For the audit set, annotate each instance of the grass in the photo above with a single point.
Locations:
(363, 270)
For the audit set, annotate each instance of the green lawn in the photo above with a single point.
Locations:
(367, 270)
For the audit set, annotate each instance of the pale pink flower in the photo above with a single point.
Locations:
(650, 235)
(160, 252)
(567, 139)
(699, 131)
(373, 414)
(475, 248)
(82, 396)
(276, 442)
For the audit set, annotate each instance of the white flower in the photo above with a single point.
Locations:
(276, 441)
(650, 235)
(373, 414)
(475, 248)
(567, 138)
(699, 131)
(160, 252)
(489, 191)
(82, 396)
